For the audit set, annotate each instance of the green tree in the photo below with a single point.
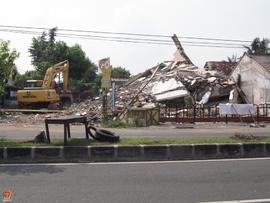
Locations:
(260, 47)
(46, 51)
(7, 65)
(81, 68)
(28, 75)
(119, 72)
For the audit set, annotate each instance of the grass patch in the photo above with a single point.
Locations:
(138, 141)
(189, 140)
(116, 124)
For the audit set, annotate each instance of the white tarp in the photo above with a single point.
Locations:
(236, 109)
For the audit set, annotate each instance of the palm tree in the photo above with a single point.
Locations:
(232, 59)
(259, 47)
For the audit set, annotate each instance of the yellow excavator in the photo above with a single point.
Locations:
(50, 92)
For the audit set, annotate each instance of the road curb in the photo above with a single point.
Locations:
(132, 153)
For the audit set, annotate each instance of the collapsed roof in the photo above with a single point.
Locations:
(223, 68)
(179, 81)
(263, 60)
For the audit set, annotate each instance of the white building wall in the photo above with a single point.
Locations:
(255, 80)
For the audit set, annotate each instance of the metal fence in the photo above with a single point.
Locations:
(203, 113)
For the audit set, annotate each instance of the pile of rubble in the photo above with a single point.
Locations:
(18, 118)
(92, 108)
(178, 82)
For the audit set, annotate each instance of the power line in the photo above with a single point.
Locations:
(115, 40)
(129, 40)
(90, 31)
(145, 42)
(217, 39)
(171, 44)
(155, 40)
(100, 38)
(85, 37)
(128, 34)
(21, 31)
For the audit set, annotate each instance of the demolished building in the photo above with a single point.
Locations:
(176, 82)
(223, 68)
(179, 82)
(252, 75)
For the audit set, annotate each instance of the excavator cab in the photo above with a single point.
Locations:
(33, 84)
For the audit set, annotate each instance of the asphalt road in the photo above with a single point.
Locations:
(20, 131)
(191, 181)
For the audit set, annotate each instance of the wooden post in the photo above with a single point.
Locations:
(104, 105)
(194, 114)
(47, 131)
(68, 130)
(113, 96)
(258, 114)
(65, 134)
(86, 129)
(176, 114)
(203, 110)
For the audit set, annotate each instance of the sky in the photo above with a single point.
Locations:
(226, 19)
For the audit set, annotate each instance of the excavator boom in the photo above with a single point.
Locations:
(62, 67)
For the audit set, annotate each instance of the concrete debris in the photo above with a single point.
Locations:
(223, 68)
(18, 118)
(231, 95)
(165, 86)
(254, 125)
(170, 95)
(149, 105)
(83, 114)
(212, 79)
(205, 97)
(179, 79)
(92, 108)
